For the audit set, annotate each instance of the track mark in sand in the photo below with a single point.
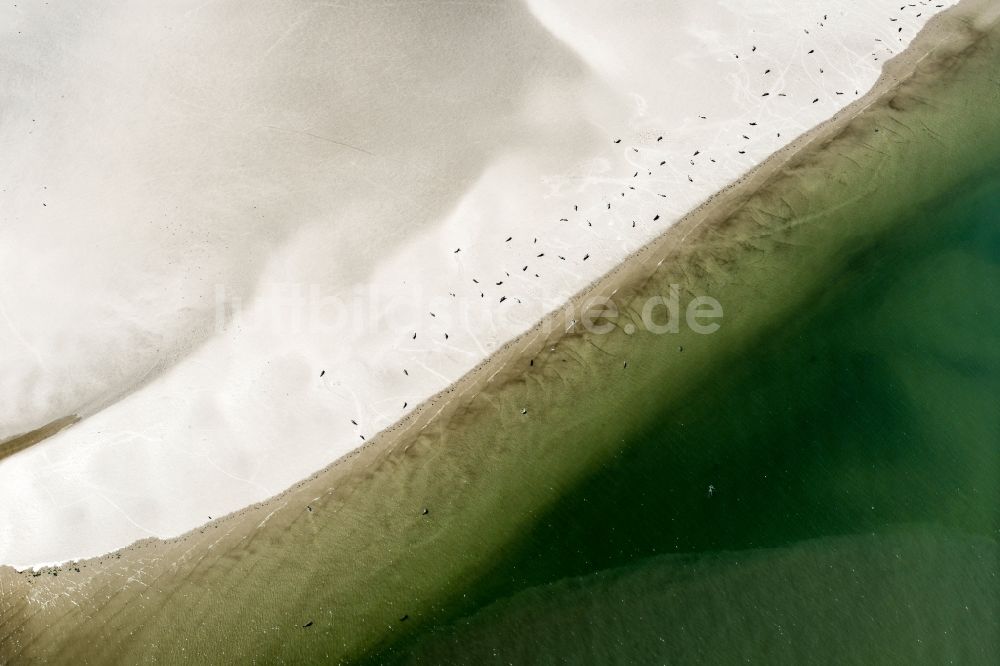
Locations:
(321, 138)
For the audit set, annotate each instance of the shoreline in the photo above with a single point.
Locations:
(631, 273)
(249, 413)
(353, 550)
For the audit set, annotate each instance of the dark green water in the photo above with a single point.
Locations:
(872, 415)
(877, 404)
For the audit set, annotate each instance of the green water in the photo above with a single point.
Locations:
(873, 412)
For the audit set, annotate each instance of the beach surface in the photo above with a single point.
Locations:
(240, 242)
(465, 501)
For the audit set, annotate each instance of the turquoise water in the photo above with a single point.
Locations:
(854, 451)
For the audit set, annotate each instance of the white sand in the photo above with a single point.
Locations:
(320, 163)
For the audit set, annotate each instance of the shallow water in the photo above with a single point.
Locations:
(872, 413)
(913, 597)
(868, 411)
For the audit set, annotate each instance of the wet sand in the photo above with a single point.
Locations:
(20, 442)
